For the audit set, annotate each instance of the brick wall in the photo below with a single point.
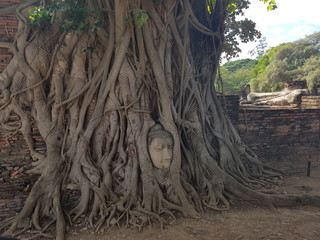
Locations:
(15, 159)
(261, 126)
(231, 104)
(310, 102)
(8, 28)
(275, 128)
(281, 133)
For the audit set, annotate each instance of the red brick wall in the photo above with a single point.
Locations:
(8, 28)
(310, 102)
(15, 159)
(261, 128)
(280, 134)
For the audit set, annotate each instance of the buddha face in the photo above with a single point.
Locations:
(160, 150)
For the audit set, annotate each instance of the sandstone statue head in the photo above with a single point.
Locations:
(160, 146)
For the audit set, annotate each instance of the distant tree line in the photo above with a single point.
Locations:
(293, 61)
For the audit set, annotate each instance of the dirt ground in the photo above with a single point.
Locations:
(243, 222)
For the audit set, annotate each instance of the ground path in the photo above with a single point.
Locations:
(243, 222)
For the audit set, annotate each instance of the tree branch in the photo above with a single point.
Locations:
(12, 8)
(6, 45)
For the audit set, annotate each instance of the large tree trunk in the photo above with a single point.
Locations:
(128, 112)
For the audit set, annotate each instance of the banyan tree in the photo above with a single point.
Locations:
(122, 93)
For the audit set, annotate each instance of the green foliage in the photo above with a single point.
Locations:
(271, 4)
(294, 61)
(40, 17)
(259, 50)
(140, 17)
(234, 74)
(76, 19)
(243, 30)
(210, 5)
(231, 7)
(233, 66)
(70, 16)
(238, 30)
(311, 71)
(259, 82)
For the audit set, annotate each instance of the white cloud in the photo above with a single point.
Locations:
(288, 11)
(302, 30)
(292, 20)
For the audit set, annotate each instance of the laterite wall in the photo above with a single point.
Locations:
(268, 130)
(8, 27)
(15, 159)
(264, 127)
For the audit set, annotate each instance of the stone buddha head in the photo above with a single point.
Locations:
(160, 146)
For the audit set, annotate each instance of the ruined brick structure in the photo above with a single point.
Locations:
(8, 27)
(295, 85)
(310, 102)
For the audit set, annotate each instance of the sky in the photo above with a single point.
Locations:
(292, 20)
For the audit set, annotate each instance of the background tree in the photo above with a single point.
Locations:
(235, 74)
(260, 49)
(101, 80)
(311, 73)
(294, 61)
(238, 29)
